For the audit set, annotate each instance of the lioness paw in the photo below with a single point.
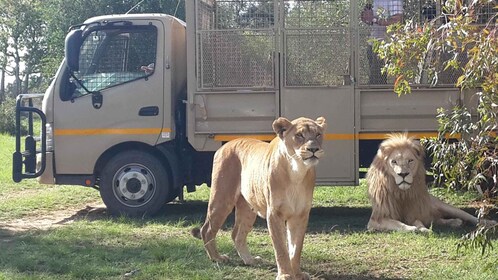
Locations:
(284, 277)
(303, 276)
(222, 258)
(251, 260)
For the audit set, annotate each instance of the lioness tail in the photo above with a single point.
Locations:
(196, 232)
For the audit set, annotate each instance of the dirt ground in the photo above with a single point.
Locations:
(53, 219)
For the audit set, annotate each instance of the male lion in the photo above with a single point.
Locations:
(273, 180)
(398, 192)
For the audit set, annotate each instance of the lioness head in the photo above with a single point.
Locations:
(402, 157)
(302, 138)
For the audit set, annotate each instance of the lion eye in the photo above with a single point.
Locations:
(393, 161)
(410, 160)
(299, 135)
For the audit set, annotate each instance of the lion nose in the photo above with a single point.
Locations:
(313, 150)
(403, 174)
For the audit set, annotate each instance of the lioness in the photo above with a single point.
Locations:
(398, 192)
(273, 180)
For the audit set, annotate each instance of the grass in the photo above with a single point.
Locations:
(96, 246)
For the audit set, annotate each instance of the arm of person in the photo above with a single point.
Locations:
(388, 21)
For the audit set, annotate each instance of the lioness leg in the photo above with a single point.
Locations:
(277, 230)
(218, 210)
(225, 191)
(215, 219)
(296, 229)
(244, 220)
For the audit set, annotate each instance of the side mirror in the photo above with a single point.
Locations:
(74, 40)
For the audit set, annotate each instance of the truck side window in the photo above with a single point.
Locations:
(113, 56)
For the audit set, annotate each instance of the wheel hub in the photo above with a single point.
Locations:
(134, 183)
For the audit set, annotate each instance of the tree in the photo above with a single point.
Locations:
(21, 35)
(464, 39)
(76, 12)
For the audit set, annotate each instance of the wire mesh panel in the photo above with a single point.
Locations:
(419, 11)
(317, 45)
(317, 57)
(235, 44)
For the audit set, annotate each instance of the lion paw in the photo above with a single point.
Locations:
(423, 229)
(454, 223)
(488, 223)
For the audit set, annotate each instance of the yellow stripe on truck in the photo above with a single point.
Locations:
(331, 136)
(109, 131)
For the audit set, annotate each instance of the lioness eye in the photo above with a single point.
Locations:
(299, 135)
(410, 160)
(393, 161)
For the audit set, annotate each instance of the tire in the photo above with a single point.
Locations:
(134, 183)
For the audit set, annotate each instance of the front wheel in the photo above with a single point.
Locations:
(134, 183)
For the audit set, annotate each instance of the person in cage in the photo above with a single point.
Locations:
(379, 15)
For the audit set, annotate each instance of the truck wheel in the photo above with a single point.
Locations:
(134, 184)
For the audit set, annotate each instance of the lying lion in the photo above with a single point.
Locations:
(398, 192)
(273, 180)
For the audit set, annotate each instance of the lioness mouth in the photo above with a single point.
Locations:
(311, 157)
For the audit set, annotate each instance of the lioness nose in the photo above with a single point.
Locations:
(313, 150)
(403, 174)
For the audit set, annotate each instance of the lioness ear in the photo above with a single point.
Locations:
(280, 125)
(321, 122)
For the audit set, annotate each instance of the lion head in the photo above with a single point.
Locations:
(403, 158)
(302, 138)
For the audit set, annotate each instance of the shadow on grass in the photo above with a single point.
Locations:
(322, 219)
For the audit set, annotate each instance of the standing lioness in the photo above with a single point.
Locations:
(273, 180)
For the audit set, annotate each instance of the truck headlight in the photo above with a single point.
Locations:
(50, 137)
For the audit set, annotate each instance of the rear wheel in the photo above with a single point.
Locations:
(134, 183)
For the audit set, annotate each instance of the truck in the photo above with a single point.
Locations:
(141, 102)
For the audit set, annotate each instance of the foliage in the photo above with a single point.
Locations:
(7, 116)
(465, 42)
(32, 33)
(22, 41)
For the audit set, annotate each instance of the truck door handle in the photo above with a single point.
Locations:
(149, 111)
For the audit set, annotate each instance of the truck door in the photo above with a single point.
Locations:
(257, 60)
(118, 96)
(316, 79)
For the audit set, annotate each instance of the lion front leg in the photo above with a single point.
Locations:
(387, 224)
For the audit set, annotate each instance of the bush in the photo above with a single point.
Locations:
(8, 116)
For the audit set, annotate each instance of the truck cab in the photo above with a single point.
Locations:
(110, 111)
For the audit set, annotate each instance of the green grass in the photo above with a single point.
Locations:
(96, 246)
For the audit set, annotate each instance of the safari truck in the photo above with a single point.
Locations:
(142, 101)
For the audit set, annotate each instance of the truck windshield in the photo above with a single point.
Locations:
(110, 57)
